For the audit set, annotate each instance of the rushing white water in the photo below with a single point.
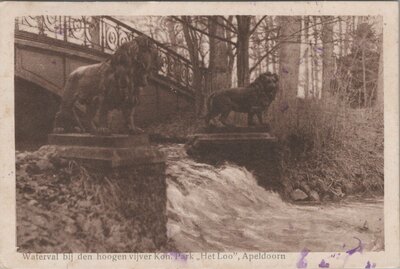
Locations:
(223, 209)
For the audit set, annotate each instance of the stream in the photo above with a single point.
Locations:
(223, 209)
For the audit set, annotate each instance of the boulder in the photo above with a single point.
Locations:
(314, 196)
(298, 195)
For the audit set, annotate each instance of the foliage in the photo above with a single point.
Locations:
(359, 68)
(329, 148)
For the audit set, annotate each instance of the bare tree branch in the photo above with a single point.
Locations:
(263, 57)
(255, 26)
(204, 32)
(229, 22)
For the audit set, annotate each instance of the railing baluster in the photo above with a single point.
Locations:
(40, 22)
(102, 33)
(65, 29)
(118, 34)
(84, 31)
(16, 21)
(187, 74)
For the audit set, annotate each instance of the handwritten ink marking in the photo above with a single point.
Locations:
(359, 248)
(370, 266)
(320, 50)
(179, 256)
(302, 263)
(284, 70)
(350, 252)
(59, 30)
(323, 264)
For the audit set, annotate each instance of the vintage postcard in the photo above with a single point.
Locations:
(199, 135)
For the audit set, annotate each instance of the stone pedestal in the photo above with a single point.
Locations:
(252, 147)
(233, 143)
(130, 176)
(107, 151)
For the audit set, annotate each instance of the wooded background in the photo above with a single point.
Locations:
(314, 55)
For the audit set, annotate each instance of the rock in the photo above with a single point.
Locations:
(337, 192)
(32, 202)
(58, 162)
(348, 187)
(32, 169)
(322, 186)
(305, 187)
(314, 196)
(298, 195)
(71, 228)
(44, 165)
(326, 198)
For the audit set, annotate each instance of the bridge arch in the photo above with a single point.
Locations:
(35, 108)
(38, 81)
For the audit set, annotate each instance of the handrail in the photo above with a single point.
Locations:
(106, 34)
(153, 40)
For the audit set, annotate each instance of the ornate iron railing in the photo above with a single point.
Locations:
(105, 34)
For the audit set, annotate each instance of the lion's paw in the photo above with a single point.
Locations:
(78, 130)
(58, 130)
(136, 130)
(103, 131)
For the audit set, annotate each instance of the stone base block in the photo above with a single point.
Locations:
(235, 145)
(255, 150)
(107, 151)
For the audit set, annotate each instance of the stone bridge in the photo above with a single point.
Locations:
(49, 48)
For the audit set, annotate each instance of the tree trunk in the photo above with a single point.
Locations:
(231, 55)
(273, 56)
(327, 60)
(219, 56)
(307, 55)
(312, 93)
(346, 37)
(193, 47)
(364, 101)
(340, 38)
(289, 55)
(170, 23)
(316, 58)
(267, 35)
(243, 39)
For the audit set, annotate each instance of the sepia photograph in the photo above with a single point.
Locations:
(189, 132)
(245, 135)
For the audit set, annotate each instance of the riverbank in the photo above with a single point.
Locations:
(349, 164)
(60, 209)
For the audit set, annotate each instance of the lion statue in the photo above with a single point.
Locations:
(92, 91)
(253, 100)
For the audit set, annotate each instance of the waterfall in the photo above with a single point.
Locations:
(223, 209)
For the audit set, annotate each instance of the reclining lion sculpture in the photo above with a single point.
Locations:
(92, 91)
(253, 100)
